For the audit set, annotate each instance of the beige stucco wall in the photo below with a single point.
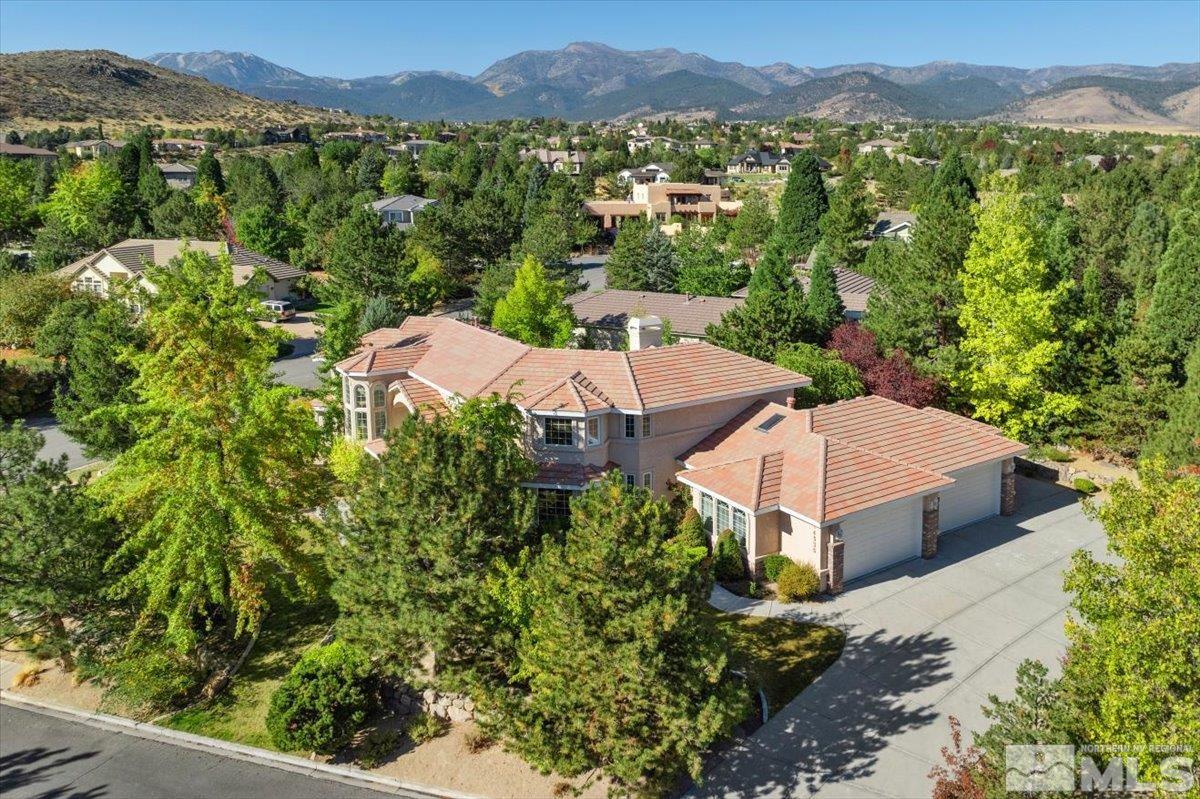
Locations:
(796, 540)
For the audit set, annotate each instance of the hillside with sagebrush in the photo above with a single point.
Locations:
(88, 86)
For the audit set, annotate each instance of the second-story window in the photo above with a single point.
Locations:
(647, 426)
(593, 431)
(378, 396)
(360, 396)
(560, 432)
(630, 426)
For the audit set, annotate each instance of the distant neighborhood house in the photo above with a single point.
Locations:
(893, 224)
(93, 148)
(21, 152)
(606, 314)
(178, 176)
(124, 264)
(694, 202)
(569, 161)
(400, 210)
(887, 146)
(650, 173)
(755, 161)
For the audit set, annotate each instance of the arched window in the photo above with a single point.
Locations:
(378, 396)
(360, 396)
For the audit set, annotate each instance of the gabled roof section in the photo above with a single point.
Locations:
(922, 437)
(463, 359)
(800, 463)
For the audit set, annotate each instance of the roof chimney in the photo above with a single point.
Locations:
(644, 332)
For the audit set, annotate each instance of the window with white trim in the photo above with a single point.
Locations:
(378, 396)
(360, 424)
(647, 479)
(722, 515)
(347, 421)
(706, 511)
(594, 430)
(360, 396)
(630, 426)
(559, 432)
(553, 503)
(630, 480)
(647, 427)
(346, 392)
(380, 422)
(739, 525)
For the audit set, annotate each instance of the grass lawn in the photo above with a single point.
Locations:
(239, 714)
(780, 655)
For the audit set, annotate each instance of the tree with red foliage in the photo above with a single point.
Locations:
(959, 777)
(892, 377)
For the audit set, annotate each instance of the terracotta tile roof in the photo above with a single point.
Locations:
(472, 361)
(689, 314)
(770, 455)
(419, 397)
(926, 438)
(571, 474)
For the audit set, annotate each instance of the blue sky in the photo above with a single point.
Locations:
(355, 39)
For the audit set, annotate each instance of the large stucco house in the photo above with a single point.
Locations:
(851, 487)
(124, 263)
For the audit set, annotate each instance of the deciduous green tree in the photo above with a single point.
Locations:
(213, 495)
(533, 311)
(832, 378)
(1012, 333)
(265, 231)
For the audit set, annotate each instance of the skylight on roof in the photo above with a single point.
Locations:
(770, 422)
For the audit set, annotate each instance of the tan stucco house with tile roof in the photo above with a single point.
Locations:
(850, 487)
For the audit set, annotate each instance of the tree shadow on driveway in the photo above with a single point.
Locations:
(27, 767)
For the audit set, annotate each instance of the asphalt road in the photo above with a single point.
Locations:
(43, 756)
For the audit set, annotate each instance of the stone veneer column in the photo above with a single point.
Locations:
(929, 525)
(837, 558)
(1008, 487)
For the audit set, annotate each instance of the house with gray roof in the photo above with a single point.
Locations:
(853, 288)
(400, 210)
(753, 161)
(125, 264)
(178, 176)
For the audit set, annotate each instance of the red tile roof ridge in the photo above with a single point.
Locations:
(886, 457)
(758, 477)
(585, 383)
(543, 392)
(637, 393)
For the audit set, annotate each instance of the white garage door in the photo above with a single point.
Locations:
(975, 495)
(878, 537)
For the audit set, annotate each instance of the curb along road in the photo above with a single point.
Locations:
(298, 765)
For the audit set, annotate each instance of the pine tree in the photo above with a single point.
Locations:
(825, 308)
(533, 311)
(1012, 338)
(378, 312)
(53, 545)
(845, 224)
(752, 227)
(626, 265)
(423, 532)
(801, 207)
(1177, 441)
(99, 381)
(623, 670)
(767, 320)
(1173, 320)
(208, 168)
(1146, 245)
(213, 495)
(661, 265)
(366, 258)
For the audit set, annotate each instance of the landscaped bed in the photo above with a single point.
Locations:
(779, 655)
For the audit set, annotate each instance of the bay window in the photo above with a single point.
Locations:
(706, 511)
(559, 432)
(739, 526)
(593, 430)
(722, 515)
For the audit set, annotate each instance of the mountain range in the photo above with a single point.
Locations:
(588, 80)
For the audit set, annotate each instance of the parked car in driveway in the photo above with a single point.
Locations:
(280, 310)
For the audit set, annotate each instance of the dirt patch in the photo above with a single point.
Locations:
(52, 684)
(447, 762)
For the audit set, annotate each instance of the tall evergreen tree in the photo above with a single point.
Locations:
(214, 493)
(803, 203)
(661, 266)
(1146, 244)
(825, 308)
(422, 534)
(53, 544)
(626, 264)
(209, 168)
(845, 224)
(773, 315)
(623, 670)
(1173, 320)
(366, 258)
(99, 381)
(1177, 441)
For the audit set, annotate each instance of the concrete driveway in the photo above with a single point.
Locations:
(925, 640)
(299, 368)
